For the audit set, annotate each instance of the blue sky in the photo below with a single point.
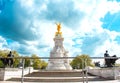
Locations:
(88, 26)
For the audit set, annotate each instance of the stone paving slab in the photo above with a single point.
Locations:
(109, 81)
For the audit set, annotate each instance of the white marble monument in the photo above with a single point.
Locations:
(58, 51)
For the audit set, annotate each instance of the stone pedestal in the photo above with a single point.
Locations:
(108, 73)
(58, 51)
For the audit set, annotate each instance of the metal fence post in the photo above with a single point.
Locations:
(86, 70)
(22, 77)
(83, 70)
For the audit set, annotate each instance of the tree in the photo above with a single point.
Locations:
(81, 61)
(43, 64)
(36, 62)
(27, 62)
(4, 53)
(16, 61)
(1, 64)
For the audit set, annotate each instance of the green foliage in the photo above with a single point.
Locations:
(43, 64)
(81, 61)
(27, 62)
(4, 53)
(38, 63)
(117, 64)
(16, 61)
(1, 64)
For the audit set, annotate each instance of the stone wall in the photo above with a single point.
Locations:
(7, 73)
(2, 71)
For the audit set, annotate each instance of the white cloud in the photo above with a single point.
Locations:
(111, 46)
(14, 46)
(89, 26)
(3, 43)
(114, 7)
(46, 32)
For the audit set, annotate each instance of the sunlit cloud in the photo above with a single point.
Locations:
(88, 27)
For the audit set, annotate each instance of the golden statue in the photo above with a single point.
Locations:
(58, 29)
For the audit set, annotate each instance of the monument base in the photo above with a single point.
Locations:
(108, 73)
(58, 66)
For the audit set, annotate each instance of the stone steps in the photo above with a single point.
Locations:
(57, 79)
(55, 76)
(48, 79)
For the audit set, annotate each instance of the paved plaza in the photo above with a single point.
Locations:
(110, 81)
